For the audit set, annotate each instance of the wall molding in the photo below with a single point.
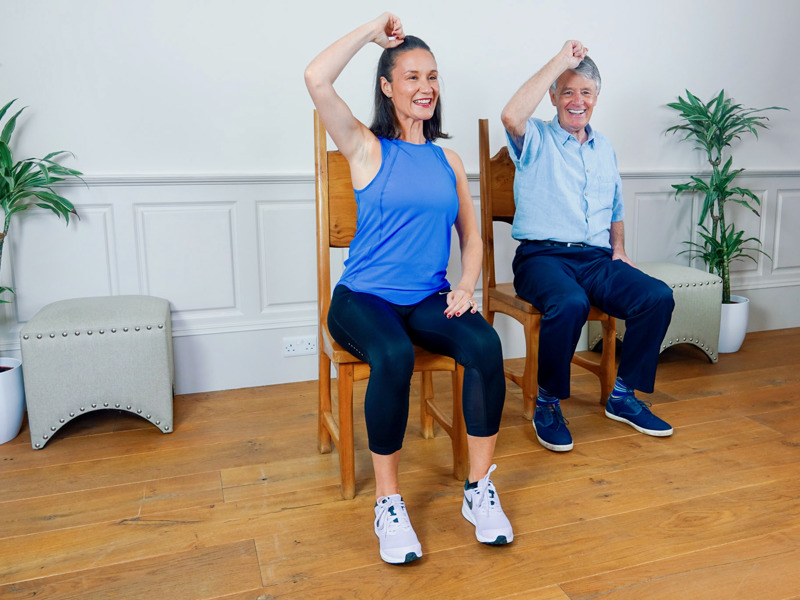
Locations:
(170, 179)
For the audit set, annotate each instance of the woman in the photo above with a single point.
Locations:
(393, 292)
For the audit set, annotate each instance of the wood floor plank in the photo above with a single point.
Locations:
(760, 567)
(62, 511)
(551, 592)
(199, 574)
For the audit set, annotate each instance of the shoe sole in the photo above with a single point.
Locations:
(412, 553)
(652, 432)
(500, 540)
(553, 447)
(409, 557)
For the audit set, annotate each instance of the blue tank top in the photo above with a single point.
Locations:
(405, 217)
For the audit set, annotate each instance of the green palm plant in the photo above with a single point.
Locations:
(713, 126)
(28, 182)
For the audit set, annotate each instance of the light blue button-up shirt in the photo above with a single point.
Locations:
(564, 190)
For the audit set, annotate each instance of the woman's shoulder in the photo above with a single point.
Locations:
(452, 157)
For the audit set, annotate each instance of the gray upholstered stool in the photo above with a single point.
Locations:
(698, 302)
(88, 354)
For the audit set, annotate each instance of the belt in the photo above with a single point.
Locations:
(558, 244)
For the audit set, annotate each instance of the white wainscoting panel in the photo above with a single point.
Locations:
(661, 224)
(287, 252)
(786, 257)
(52, 261)
(187, 254)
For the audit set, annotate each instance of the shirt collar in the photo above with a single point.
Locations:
(562, 135)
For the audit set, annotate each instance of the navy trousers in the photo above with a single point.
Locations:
(382, 334)
(562, 283)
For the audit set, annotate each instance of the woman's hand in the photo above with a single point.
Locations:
(460, 301)
(390, 31)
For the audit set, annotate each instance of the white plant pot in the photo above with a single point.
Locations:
(12, 399)
(733, 324)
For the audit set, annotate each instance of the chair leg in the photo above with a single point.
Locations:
(459, 430)
(530, 383)
(608, 358)
(323, 435)
(347, 465)
(426, 394)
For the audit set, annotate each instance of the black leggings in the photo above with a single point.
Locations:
(382, 334)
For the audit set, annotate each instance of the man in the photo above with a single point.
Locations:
(571, 254)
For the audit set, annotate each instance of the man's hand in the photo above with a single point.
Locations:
(620, 255)
(523, 103)
(617, 239)
(573, 53)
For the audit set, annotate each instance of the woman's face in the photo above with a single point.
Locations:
(414, 88)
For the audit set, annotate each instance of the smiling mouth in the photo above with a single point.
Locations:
(424, 102)
(576, 112)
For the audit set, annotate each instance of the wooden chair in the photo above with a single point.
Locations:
(497, 204)
(336, 226)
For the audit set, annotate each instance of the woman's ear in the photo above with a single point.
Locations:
(386, 87)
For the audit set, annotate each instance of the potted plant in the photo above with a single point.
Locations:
(713, 126)
(25, 183)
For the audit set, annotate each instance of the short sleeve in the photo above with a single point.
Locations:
(531, 143)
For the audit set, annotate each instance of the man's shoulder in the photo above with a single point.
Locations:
(601, 139)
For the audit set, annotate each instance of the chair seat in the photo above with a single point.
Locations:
(504, 292)
(424, 360)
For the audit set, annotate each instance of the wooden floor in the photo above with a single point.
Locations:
(237, 504)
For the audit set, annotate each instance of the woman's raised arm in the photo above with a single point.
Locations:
(348, 133)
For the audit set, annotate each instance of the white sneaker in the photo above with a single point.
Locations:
(481, 507)
(399, 543)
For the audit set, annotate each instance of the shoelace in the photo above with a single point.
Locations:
(393, 517)
(635, 404)
(485, 494)
(555, 411)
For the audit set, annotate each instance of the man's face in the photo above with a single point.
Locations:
(574, 99)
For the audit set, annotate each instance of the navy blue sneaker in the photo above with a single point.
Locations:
(551, 427)
(634, 412)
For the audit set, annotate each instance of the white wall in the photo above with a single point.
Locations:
(193, 126)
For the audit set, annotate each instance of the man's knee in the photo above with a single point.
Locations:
(568, 307)
(660, 296)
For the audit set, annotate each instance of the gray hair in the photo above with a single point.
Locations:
(586, 69)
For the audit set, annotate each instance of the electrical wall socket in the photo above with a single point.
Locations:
(300, 345)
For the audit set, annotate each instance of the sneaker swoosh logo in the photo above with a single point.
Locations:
(469, 502)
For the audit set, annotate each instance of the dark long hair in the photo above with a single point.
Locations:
(384, 121)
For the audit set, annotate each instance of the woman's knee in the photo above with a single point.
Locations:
(481, 346)
(392, 359)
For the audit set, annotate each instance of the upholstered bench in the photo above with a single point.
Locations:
(88, 354)
(698, 302)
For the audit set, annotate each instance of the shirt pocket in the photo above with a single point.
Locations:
(606, 188)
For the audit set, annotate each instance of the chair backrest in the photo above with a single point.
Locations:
(497, 198)
(336, 211)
